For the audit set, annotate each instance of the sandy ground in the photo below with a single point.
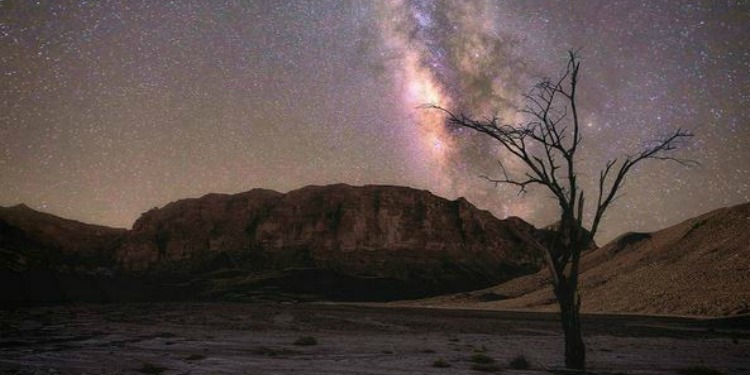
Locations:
(259, 339)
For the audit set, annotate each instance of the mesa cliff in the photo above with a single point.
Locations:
(333, 242)
(339, 240)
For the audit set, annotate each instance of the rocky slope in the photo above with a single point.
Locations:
(47, 258)
(338, 241)
(698, 267)
(343, 241)
(30, 238)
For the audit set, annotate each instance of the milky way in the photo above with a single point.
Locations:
(111, 108)
(452, 55)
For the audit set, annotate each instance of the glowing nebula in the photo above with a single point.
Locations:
(422, 88)
(418, 85)
(448, 54)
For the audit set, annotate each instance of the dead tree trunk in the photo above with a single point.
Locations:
(570, 307)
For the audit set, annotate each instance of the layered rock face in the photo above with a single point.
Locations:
(408, 237)
(189, 228)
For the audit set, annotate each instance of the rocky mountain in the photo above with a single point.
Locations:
(337, 241)
(370, 242)
(698, 267)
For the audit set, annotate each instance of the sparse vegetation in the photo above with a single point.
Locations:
(481, 358)
(695, 226)
(271, 352)
(150, 368)
(700, 370)
(483, 362)
(482, 349)
(440, 363)
(519, 362)
(306, 341)
(485, 367)
(698, 224)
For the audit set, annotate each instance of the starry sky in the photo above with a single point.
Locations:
(110, 108)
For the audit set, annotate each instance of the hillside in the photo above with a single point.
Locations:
(29, 238)
(698, 267)
(47, 258)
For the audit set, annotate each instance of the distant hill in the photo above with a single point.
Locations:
(47, 258)
(332, 242)
(68, 237)
(698, 267)
(29, 238)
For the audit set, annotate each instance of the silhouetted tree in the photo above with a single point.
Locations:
(547, 145)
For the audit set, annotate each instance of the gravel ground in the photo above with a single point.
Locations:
(249, 339)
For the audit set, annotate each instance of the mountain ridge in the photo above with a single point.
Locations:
(390, 241)
(368, 243)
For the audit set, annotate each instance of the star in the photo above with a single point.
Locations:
(111, 108)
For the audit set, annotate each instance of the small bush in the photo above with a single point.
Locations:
(271, 352)
(306, 341)
(440, 363)
(429, 351)
(483, 349)
(700, 370)
(150, 368)
(481, 358)
(485, 367)
(519, 363)
(195, 357)
(698, 224)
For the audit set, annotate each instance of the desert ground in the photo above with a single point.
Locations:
(191, 338)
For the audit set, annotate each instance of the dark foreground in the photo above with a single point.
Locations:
(260, 339)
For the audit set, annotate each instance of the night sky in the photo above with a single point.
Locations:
(111, 108)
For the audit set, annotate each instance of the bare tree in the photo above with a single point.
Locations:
(547, 145)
